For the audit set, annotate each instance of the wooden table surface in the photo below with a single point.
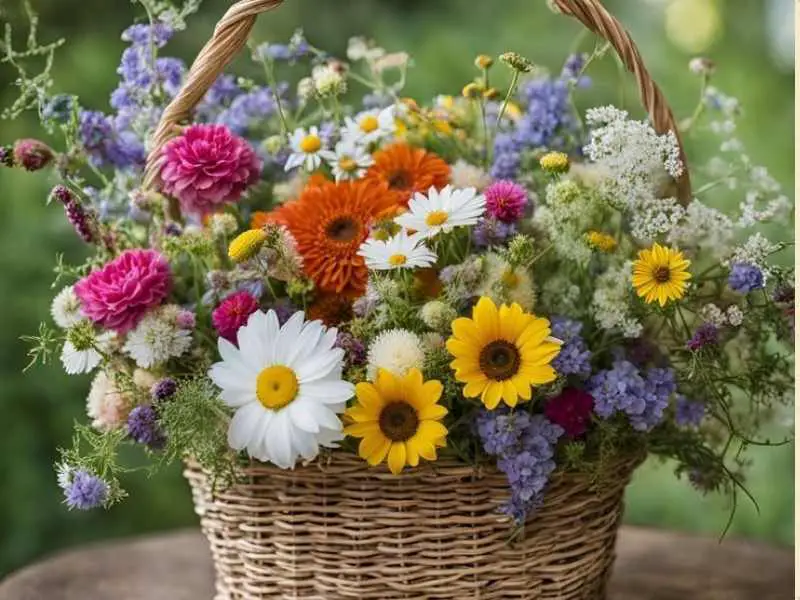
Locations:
(651, 565)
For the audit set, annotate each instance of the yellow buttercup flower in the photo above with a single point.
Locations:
(246, 245)
(555, 162)
(500, 354)
(601, 241)
(661, 274)
(398, 419)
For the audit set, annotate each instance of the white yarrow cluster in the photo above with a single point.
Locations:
(755, 251)
(328, 81)
(653, 217)
(703, 227)
(157, 338)
(567, 213)
(610, 302)
(633, 153)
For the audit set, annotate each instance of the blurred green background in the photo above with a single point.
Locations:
(752, 41)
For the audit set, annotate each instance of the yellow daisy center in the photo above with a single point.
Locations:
(500, 360)
(510, 279)
(398, 421)
(310, 144)
(397, 260)
(347, 164)
(276, 387)
(437, 217)
(368, 124)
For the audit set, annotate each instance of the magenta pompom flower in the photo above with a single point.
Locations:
(118, 295)
(571, 410)
(232, 313)
(208, 166)
(506, 201)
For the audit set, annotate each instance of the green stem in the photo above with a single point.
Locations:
(511, 88)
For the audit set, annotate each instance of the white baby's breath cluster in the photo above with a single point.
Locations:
(703, 227)
(610, 302)
(654, 217)
(754, 251)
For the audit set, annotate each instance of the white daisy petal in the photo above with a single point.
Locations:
(442, 210)
(245, 425)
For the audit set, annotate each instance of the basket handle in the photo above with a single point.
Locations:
(232, 31)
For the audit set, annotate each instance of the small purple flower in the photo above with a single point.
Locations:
(706, 335)
(186, 319)
(83, 490)
(283, 310)
(688, 413)
(491, 232)
(157, 34)
(574, 357)
(745, 278)
(355, 352)
(163, 389)
(80, 220)
(143, 427)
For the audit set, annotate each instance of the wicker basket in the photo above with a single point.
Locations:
(337, 529)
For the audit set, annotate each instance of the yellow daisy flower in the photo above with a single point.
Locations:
(660, 274)
(500, 354)
(398, 419)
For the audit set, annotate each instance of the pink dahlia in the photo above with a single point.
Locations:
(506, 201)
(118, 295)
(571, 410)
(208, 166)
(232, 313)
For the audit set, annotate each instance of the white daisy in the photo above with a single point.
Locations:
(157, 338)
(286, 386)
(349, 160)
(396, 350)
(442, 210)
(66, 308)
(402, 251)
(306, 147)
(82, 350)
(370, 126)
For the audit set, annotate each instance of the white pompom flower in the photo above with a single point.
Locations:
(66, 308)
(397, 351)
(401, 251)
(442, 210)
(286, 386)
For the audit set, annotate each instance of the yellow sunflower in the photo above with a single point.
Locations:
(399, 418)
(660, 274)
(500, 354)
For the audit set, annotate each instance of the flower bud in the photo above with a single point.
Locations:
(32, 155)
(483, 61)
(517, 62)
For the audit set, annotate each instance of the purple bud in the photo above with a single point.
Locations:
(62, 194)
(163, 389)
(80, 221)
(706, 335)
(143, 427)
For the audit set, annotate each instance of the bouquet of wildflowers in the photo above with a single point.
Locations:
(330, 267)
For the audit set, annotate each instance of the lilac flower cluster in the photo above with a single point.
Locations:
(524, 447)
(547, 117)
(82, 489)
(574, 357)
(688, 413)
(705, 335)
(642, 398)
(106, 143)
(492, 232)
(745, 278)
(247, 111)
(143, 427)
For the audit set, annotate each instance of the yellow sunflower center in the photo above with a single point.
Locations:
(310, 144)
(276, 387)
(510, 279)
(661, 274)
(437, 217)
(342, 229)
(500, 360)
(398, 421)
(368, 124)
(347, 164)
(397, 260)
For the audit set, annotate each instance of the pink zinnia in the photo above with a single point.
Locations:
(208, 166)
(571, 410)
(232, 313)
(118, 295)
(506, 201)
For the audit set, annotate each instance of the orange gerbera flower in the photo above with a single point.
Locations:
(329, 222)
(407, 170)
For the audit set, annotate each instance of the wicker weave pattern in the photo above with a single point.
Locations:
(341, 530)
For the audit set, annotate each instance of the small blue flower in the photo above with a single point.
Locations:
(574, 357)
(83, 490)
(491, 232)
(745, 278)
(688, 413)
(143, 427)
